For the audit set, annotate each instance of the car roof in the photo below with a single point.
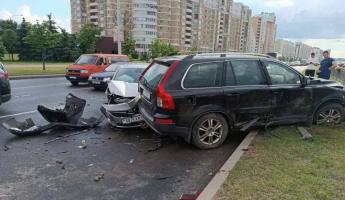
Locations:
(132, 65)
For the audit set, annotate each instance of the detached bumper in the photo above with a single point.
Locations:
(165, 129)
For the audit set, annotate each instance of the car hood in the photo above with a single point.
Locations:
(104, 75)
(84, 66)
(325, 82)
(123, 89)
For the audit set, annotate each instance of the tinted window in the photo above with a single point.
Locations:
(281, 75)
(86, 59)
(129, 75)
(248, 72)
(115, 59)
(204, 75)
(154, 74)
(229, 78)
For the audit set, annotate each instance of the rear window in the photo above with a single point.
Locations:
(128, 75)
(86, 59)
(154, 74)
(117, 59)
(204, 75)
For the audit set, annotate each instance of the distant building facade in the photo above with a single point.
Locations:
(285, 48)
(303, 51)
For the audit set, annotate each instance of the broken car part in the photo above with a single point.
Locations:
(68, 118)
(124, 115)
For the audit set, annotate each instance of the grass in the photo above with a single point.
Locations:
(279, 165)
(7, 57)
(34, 68)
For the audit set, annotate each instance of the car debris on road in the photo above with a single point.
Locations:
(68, 118)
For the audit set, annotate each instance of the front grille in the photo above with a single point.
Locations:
(74, 70)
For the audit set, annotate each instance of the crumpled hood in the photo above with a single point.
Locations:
(329, 83)
(123, 89)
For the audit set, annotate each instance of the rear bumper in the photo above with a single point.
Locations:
(77, 78)
(165, 129)
(102, 85)
(4, 98)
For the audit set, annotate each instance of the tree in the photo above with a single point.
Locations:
(66, 47)
(23, 49)
(159, 48)
(7, 24)
(10, 41)
(87, 38)
(128, 47)
(41, 38)
(51, 23)
(2, 49)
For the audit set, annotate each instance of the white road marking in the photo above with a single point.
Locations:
(18, 114)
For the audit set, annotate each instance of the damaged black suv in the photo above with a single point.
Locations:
(203, 97)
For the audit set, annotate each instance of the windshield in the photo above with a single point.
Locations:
(154, 74)
(86, 59)
(129, 75)
(118, 59)
(112, 68)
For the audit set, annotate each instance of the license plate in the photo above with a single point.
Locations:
(147, 94)
(132, 119)
(96, 82)
(73, 77)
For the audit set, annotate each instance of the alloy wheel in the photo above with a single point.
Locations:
(210, 131)
(329, 116)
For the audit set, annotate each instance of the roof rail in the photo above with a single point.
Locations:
(226, 54)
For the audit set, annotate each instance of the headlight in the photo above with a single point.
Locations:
(90, 78)
(66, 70)
(106, 79)
(84, 71)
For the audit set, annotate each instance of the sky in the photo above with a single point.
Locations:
(319, 23)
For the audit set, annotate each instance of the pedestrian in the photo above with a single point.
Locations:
(312, 63)
(326, 66)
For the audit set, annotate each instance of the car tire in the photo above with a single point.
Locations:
(74, 83)
(210, 131)
(330, 114)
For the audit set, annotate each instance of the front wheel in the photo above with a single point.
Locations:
(74, 83)
(210, 131)
(330, 114)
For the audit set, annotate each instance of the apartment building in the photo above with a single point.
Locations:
(265, 28)
(285, 48)
(239, 32)
(303, 51)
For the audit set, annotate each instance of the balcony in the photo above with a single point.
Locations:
(93, 4)
(94, 17)
(93, 10)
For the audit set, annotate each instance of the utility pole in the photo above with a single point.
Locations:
(119, 21)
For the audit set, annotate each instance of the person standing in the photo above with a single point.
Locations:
(312, 63)
(326, 66)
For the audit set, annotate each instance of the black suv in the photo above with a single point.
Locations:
(201, 97)
(5, 89)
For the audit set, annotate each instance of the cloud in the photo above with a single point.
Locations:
(24, 11)
(279, 3)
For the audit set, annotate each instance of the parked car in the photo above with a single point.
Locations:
(88, 64)
(5, 87)
(204, 97)
(124, 85)
(100, 80)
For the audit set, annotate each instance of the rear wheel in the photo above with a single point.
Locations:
(74, 83)
(330, 114)
(210, 131)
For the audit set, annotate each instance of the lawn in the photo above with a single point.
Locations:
(279, 165)
(34, 68)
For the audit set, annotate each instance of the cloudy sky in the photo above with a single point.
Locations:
(316, 22)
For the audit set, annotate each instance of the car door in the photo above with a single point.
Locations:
(246, 90)
(290, 99)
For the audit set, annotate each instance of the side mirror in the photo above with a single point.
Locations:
(305, 81)
(100, 61)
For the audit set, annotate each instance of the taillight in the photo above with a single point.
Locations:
(164, 99)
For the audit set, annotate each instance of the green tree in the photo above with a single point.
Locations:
(10, 42)
(66, 47)
(159, 48)
(23, 49)
(7, 24)
(41, 38)
(128, 47)
(87, 38)
(2, 49)
(51, 23)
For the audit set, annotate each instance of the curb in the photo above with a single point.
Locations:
(36, 76)
(217, 181)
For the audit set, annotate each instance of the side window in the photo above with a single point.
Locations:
(229, 76)
(248, 72)
(204, 75)
(281, 75)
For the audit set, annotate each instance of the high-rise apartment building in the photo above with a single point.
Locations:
(265, 28)
(285, 48)
(303, 51)
(202, 25)
(239, 32)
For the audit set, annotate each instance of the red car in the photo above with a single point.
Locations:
(88, 64)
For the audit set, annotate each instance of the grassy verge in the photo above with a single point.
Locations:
(279, 165)
(34, 68)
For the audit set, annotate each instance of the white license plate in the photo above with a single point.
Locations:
(73, 77)
(147, 94)
(96, 82)
(132, 120)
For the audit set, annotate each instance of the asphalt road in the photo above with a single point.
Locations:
(31, 169)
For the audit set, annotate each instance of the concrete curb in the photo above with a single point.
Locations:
(217, 181)
(36, 76)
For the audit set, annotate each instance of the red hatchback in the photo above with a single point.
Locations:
(88, 64)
